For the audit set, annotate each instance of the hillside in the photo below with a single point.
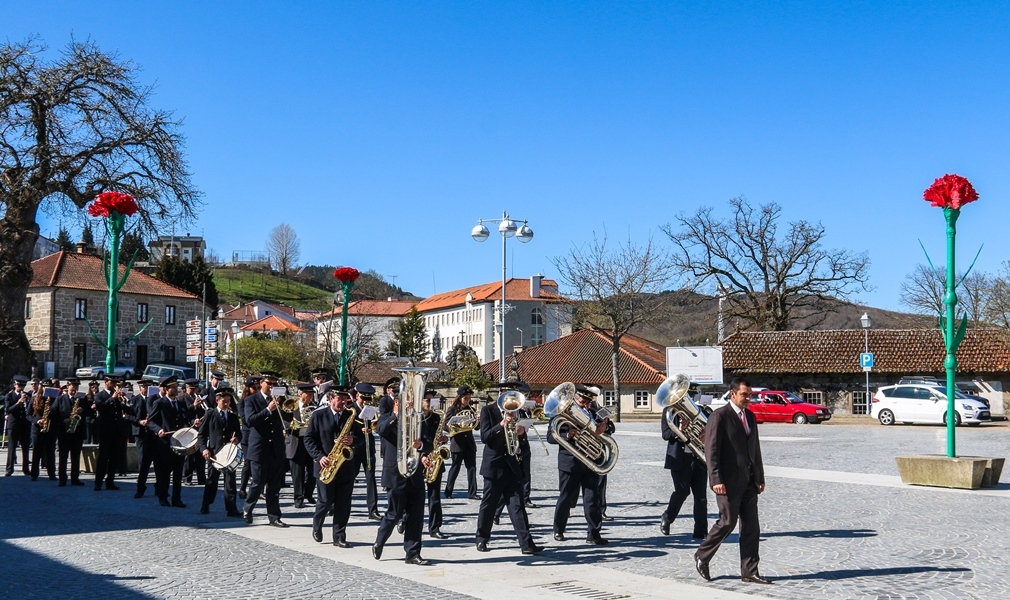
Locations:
(243, 285)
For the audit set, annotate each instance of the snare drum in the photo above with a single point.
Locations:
(184, 441)
(228, 458)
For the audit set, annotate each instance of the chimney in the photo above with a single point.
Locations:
(535, 285)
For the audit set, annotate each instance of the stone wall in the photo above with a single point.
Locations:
(39, 326)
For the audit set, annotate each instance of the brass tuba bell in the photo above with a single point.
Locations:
(598, 452)
(673, 393)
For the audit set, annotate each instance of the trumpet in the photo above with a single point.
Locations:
(510, 402)
(598, 452)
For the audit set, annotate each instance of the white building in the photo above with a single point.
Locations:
(535, 313)
(187, 247)
(369, 323)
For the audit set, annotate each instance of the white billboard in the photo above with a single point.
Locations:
(702, 364)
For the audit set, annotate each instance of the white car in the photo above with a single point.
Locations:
(924, 403)
(98, 371)
(723, 400)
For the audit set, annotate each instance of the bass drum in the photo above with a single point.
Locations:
(184, 441)
(228, 458)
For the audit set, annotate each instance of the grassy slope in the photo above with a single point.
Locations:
(235, 285)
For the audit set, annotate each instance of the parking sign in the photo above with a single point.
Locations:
(866, 360)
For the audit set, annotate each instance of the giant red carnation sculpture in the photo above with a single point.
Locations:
(950, 191)
(107, 202)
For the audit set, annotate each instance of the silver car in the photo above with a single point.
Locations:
(98, 371)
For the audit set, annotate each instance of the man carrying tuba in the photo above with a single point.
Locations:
(690, 476)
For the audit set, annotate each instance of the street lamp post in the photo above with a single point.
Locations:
(234, 339)
(866, 322)
(507, 228)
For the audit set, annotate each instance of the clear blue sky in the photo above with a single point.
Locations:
(382, 131)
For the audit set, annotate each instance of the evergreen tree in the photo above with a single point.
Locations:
(63, 240)
(409, 337)
(133, 242)
(190, 276)
(87, 236)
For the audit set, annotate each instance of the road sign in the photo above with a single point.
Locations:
(211, 330)
(211, 323)
(192, 337)
(210, 345)
(866, 360)
(211, 338)
(192, 330)
(210, 352)
(194, 358)
(192, 351)
(210, 360)
(193, 323)
(193, 344)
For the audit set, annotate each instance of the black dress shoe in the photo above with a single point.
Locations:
(439, 535)
(448, 494)
(497, 520)
(534, 549)
(139, 495)
(98, 487)
(559, 536)
(417, 560)
(664, 525)
(531, 505)
(375, 516)
(76, 483)
(310, 500)
(179, 504)
(164, 502)
(278, 523)
(482, 547)
(755, 579)
(474, 497)
(400, 527)
(241, 494)
(299, 503)
(597, 540)
(606, 518)
(341, 543)
(317, 535)
(204, 510)
(376, 551)
(61, 484)
(702, 568)
(234, 514)
(111, 486)
(247, 515)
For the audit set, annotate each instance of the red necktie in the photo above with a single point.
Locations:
(743, 421)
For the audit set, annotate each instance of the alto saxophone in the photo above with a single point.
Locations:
(340, 452)
(44, 421)
(437, 456)
(75, 419)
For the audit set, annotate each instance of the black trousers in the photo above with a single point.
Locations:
(569, 486)
(525, 485)
(371, 492)
(246, 467)
(18, 434)
(147, 451)
(43, 447)
(469, 458)
(302, 479)
(404, 499)
(196, 463)
(433, 491)
(266, 479)
(508, 489)
(336, 494)
(168, 470)
(70, 447)
(742, 506)
(690, 478)
(210, 490)
(110, 447)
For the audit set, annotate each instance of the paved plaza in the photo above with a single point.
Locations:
(836, 523)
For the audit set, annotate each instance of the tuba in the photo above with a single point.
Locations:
(598, 452)
(510, 402)
(409, 416)
(673, 394)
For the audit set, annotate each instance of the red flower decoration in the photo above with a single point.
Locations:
(951, 191)
(106, 202)
(346, 274)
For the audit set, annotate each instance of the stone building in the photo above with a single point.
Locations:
(823, 366)
(68, 292)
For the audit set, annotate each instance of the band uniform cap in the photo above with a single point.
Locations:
(20, 379)
(192, 381)
(429, 391)
(585, 392)
(364, 388)
(464, 390)
(92, 382)
(269, 375)
(35, 380)
(340, 390)
(225, 391)
(519, 386)
(306, 387)
(252, 381)
(110, 377)
(167, 380)
(73, 380)
(394, 382)
(320, 372)
(217, 374)
(47, 383)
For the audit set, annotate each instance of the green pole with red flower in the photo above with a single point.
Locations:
(346, 276)
(950, 193)
(114, 207)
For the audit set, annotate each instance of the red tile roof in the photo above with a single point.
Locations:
(374, 308)
(86, 272)
(272, 323)
(585, 357)
(897, 351)
(515, 289)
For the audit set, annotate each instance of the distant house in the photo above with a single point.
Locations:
(244, 314)
(187, 247)
(44, 247)
(536, 313)
(272, 326)
(584, 357)
(369, 321)
(68, 292)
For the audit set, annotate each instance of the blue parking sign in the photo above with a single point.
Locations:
(866, 360)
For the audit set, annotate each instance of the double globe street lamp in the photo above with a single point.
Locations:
(507, 227)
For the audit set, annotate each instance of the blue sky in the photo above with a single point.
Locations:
(381, 132)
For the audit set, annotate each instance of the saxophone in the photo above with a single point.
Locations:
(340, 451)
(44, 421)
(75, 419)
(439, 455)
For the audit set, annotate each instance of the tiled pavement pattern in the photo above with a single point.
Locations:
(819, 540)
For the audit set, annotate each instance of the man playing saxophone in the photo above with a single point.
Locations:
(65, 408)
(331, 430)
(433, 434)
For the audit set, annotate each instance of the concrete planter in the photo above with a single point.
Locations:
(963, 472)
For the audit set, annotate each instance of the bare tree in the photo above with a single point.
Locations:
(284, 248)
(997, 310)
(617, 289)
(71, 128)
(765, 275)
(924, 289)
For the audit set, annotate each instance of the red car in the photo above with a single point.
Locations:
(773, 406)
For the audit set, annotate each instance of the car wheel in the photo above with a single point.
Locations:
(800, 419)
(886, 417)
(100, 375)
(957, 419)
(127, 375)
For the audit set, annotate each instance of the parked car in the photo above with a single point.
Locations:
(723, 400)
(98, 371)
(156, 371)
(775, 406)
(924, 403)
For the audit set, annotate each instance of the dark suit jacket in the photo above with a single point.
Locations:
(266, 432)
(19, 415)
(112, 413)
(496, 463)
(388, 429)
(461, 442)
(165, 417)
(60, 413)
(733, 457)
(566, 462)
(320, 437)
(678, 455)
(215, 433)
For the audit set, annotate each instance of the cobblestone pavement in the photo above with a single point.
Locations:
(819, 539)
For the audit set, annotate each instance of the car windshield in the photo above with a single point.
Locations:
(793, 398)
(942, 391)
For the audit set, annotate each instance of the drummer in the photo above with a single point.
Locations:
(167, 417)
(220, 429)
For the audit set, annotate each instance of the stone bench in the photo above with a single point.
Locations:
(89, 458)
(937, 470)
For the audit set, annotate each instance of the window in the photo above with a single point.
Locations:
(859, 403)
(28, 308)
(609, 399)
(537, 327)
(80, 355)
(141, 312)
(80, 308)
(170, 354)
(813, 397)
(169, 315)
(641, 399)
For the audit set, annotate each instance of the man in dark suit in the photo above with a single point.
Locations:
(735, 470)
(363, 395)
(503, 478)
(168, 415)
(406, 494)
(463, 447)
(327, 422)
(70, 403)
(147, 442)
(18, 429)
(112, 407)
(525, 454)
(690, 476)
(266, 450)
(219, 427)
(574, 476)
(302, 479)
(196, 408)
